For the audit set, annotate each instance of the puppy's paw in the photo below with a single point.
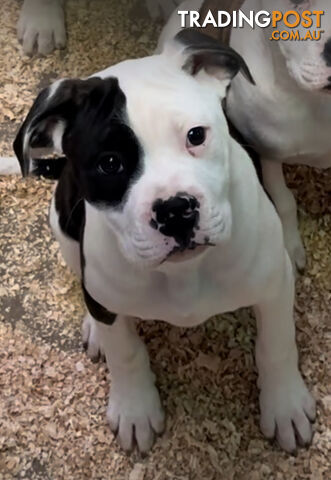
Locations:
(287, 410)
(41, 26)
(135, 414)
(296, 250)
(161, 8)
(91, 342)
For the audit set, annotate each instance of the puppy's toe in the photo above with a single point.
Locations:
(144, 435)
(285, 435)
(283, 404)
(309, 406)
(135, 412)
(45, 42)
(268, 426)
(60, 36)
(303, 428)
(29, 41)
(20, 30)
(90, 338)
(296, 250)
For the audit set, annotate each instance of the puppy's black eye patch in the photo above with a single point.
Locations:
(101, 147)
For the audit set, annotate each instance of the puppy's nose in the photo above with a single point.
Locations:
(177, 217)
(327, 52)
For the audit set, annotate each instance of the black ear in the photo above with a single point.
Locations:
(204, 52)
(52, 112)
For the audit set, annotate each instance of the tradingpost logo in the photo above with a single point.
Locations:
(309, 20)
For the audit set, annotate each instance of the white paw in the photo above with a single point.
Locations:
(287, 410)
(295, 249)
(135, 414)
(91, 342)
(164, 8)
(41, 26)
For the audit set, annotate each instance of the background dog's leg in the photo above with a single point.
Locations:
(134, 410)
(163, 7)
(285, 403)
(42, 26)
(281, 195)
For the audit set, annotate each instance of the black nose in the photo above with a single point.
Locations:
(177, 217)
(327, 52)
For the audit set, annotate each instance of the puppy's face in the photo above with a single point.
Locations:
(149, 147)
(308, 62)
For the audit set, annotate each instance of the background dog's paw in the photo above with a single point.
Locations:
(287, 410)
(41, 26)
(135, 414)
(296, 250)
(161, 8)
(91, 342)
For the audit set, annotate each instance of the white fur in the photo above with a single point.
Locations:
(9, 166)
(287, 116)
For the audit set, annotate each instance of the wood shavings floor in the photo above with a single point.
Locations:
(52, 398)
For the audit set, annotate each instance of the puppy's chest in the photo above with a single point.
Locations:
(186, 299)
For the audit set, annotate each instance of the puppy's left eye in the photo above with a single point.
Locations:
(110, 164)
(196, 136)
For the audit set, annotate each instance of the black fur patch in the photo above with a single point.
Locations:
(98, 312)
(69, 203)
(327, 52)
(204, 51)
(19, 140)
(98, 129)
(50, 168)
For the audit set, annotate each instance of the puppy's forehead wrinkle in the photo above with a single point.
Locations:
(159, 117)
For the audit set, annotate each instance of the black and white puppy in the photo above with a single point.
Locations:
(161, 213)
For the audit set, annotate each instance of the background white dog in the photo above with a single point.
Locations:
(161, 213)
(287, 115)
(41, 26)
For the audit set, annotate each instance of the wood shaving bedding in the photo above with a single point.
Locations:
(53, 399)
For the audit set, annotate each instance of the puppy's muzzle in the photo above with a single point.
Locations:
(177, 217)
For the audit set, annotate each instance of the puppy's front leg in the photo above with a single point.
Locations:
(283, 198)
(287, 408)
(134, 410)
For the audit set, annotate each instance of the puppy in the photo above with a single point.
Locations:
(287, 115)
(41, 25)
(160, 212)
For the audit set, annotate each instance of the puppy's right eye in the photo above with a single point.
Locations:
(110, 164)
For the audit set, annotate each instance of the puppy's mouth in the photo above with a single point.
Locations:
(181, 255)
(327, 88)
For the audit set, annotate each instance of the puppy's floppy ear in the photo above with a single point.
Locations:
(202, 52)
(49, 117)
